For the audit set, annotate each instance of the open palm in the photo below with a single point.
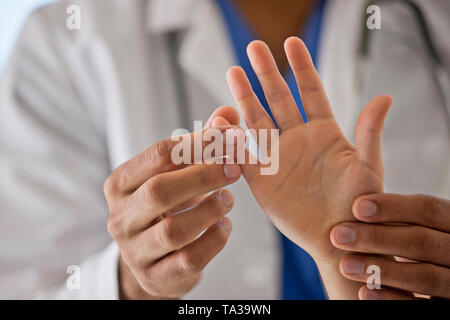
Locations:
(320, 171)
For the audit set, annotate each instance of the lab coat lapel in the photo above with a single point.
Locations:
(206, 52)
(337, 57)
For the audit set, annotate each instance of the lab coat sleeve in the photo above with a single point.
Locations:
(98, 279)
(53, 162)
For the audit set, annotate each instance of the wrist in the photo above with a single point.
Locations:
(336, 285)
(129, 287)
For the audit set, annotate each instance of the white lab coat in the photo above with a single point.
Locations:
(77, 103)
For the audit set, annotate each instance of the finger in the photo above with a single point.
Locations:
(314, 98)
(219, 121)
(159, 284)
(184, 206)
(278, 95)
(175, 232)
(190, 260)
(239, 151)
(420, 278)
(251, 168)
(228, 113)
(422, 210)
(365, 293)
(368, 132)
(157, 159)
(412, 242)
(252, 111)
(167, 190)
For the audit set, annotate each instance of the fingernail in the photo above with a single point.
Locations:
(232, 170)
(216, 122)
(227, 199)
(371, 294)
(344, 234)
(353, 266)
(367, 208)
(225, 224)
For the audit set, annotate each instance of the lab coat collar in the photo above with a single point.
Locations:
(206, 52)
(164, 16)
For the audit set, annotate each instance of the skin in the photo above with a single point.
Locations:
(320, 171)
(415, 228)
(161, 252)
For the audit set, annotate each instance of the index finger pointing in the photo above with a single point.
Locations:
(421, 210)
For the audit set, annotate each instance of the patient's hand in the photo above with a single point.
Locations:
(320, 171)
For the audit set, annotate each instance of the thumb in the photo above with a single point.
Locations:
(228, 113)
(219, 122)
(368, 132)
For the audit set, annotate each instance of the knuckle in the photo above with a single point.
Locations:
(159, 154)
(434, 209)
(150, 281)
(110, 186)
(433, 280)
(310, 87)
(395, 206)
(219, 239)
(189, 264)
(170, 234)
(422, 241)
(428, 203)
(114, 226)
(387, 271)
(375, 238)
(155, 192)
(435, 244)
(214, 206)
(277, 95)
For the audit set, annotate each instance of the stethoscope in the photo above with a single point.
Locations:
(440, 73)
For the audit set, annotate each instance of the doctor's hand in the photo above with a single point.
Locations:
(413, 227)
(158, 211)
(320, 171)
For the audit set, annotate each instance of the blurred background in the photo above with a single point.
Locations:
(12, 17)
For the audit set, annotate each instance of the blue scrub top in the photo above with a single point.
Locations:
(300, 277)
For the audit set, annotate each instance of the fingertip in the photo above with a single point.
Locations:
(261, 57)
(293, 41)
(355, 208)
(343, 235)
(227, 197)
(234, 72)
(364, 208)
(297, 54)
(361, 292)
(341, 265)
(365, 293)
(256, 45)
(384, 101)
(238, 83)
(332, 237)
(226, 224)
(232, 170)
(227, 115)
(388, 99)
(219, 121)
